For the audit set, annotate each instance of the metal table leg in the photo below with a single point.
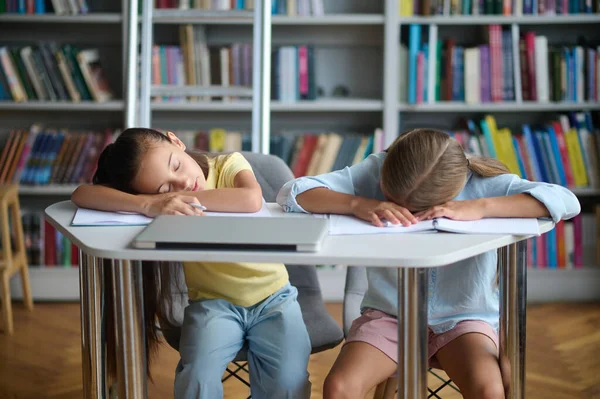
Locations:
(90, 289)
(412, 333)
(130, 341)
(513, 298)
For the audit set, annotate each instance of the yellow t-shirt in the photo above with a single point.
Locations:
(243, 284)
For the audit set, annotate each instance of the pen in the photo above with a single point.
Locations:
(202, 207)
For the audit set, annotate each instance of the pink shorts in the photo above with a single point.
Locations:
(380, 330)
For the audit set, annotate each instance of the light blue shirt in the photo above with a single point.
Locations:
(465, 290)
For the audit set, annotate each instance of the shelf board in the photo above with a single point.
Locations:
(331, 19)
(562, 285)
(49, 283)
(326, 105)
(243, 17)
(91, 18)
(501, 19)
(116, 105)
(451, 106)
(49, 189)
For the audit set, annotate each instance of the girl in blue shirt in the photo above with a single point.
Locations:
(425, 174)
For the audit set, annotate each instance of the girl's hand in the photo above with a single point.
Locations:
(169, 204)
(457, 210)
(373, 211)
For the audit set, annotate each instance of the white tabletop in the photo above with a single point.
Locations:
(388, 250)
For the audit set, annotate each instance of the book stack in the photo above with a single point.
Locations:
(51, 156)
(497, 7)
(48, 72)
(307, 154)
(60, 7)
(194, 62)
(44, 245)
(278, 7)
(563, 151)
(510, 66)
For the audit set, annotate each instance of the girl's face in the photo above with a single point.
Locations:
(166, 168)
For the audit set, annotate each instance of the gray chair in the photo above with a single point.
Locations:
(354, 291)
(271, 173)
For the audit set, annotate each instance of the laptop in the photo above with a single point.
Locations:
(233, 233)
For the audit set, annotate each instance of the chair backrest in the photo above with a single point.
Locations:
(272, 173)
(354, 291)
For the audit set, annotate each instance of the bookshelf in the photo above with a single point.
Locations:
(356, 45)
(101, 28)
(544, 284)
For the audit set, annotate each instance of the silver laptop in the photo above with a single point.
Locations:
(233, 233)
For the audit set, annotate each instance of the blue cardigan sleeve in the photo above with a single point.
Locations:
(361, 179)
(560, 201)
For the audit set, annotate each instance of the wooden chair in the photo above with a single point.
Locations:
(13, 257)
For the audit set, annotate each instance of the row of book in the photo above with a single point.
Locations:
(72, 7)
(47, 72)
(49, 156)
(215, 5)
(408, 8)
(307, 153)
(303, 8)
(195, 63)
(278, 7)
(510, 67)
(564, 151)
(44, 245)
(571, 244)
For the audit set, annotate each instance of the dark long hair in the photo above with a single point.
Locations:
(118, 166)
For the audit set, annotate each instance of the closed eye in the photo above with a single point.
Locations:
(178, 166)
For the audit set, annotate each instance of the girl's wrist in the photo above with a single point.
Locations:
(143, 203)
(486, 207)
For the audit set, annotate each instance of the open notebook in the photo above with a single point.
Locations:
(90, 217)
(347, 225)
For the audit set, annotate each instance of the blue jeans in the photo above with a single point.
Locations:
(213, 332)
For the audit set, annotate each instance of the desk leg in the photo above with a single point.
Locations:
(412, 333)
(90, 290)
(513, 298)
(130, 341)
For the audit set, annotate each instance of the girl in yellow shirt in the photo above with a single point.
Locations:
(230, 304)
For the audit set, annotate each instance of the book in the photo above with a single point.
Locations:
(92, 217)
(349, 225)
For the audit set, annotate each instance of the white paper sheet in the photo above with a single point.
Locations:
(516, 226)
(91, 217)
(349, 225)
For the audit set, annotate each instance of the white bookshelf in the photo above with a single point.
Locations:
(91, 18)
(356, 45)
(502, 19)
(49, 283)
(334, 105)
(513, 106)
(50, 189)
(116, 105)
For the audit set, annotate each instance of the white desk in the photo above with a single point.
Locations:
(413, 254)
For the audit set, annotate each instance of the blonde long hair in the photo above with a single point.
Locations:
(427, 167)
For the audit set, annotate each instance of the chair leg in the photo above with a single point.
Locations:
(27, 297)
(6, 304)
(22, 254)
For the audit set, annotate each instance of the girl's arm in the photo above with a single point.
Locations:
(245, 196)
(350, 191)
(510, 196)
(105, 198)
